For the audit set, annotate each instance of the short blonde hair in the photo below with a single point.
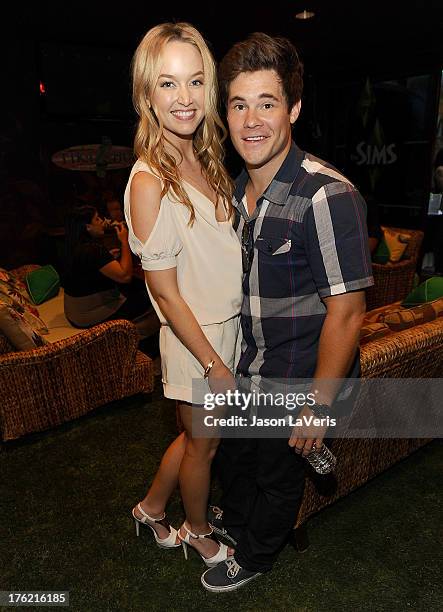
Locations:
(209, 136)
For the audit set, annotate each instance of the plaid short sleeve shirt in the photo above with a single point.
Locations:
(309, 241)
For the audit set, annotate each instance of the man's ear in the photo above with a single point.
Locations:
(295, 111)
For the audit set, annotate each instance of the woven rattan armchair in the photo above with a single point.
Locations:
(393, 281)
(46, 386)
(412, 353)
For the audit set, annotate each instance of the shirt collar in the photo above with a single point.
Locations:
(278, 190)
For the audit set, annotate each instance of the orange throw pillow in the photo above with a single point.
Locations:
(396, 243)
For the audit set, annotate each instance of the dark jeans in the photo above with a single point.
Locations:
(263, 482)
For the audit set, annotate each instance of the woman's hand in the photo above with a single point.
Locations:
(115, 253)
(220, 378)
(122, 232)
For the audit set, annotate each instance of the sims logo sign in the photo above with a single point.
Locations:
(372, 155)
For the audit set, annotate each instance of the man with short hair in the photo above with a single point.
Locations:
(306, 265)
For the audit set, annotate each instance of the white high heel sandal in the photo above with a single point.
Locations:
(169, 542)
(222, 554)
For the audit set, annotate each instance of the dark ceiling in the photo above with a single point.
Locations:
(359, 34)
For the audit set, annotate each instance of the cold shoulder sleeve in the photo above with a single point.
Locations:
(160, 250)
(163, 245)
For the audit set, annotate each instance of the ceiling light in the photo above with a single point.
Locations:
(305, 15)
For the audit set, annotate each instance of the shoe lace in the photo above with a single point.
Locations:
(233, 568)
(218, 512)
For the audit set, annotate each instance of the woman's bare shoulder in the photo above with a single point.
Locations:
(145, 201)
(145, 183)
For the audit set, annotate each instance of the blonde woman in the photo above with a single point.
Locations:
(178, 210)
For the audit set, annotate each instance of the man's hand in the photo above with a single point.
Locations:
(336, 352)
(303, 437)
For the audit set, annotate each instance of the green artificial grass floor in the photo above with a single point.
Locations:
(66, 497)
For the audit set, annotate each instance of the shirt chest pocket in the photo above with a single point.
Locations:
(273, 246)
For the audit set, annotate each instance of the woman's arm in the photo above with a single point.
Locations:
(145, 207)
(120, 271)
(164, 289)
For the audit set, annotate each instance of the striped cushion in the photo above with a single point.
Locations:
(373, 331)
(404, 318)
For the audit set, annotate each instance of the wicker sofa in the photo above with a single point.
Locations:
(77, 371)
(393, 281)
(412, 353)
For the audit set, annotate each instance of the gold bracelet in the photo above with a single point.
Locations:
(208, 368)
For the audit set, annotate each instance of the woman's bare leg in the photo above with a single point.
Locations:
(194, 478)
(188, 461)
(164, 483)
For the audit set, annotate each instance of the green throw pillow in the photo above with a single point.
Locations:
(430, 290)
(43, 284)
(382, 253)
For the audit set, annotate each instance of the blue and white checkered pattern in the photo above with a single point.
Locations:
(310, 242)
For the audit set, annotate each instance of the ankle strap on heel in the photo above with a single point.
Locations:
(198, 537)
(154, 520)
